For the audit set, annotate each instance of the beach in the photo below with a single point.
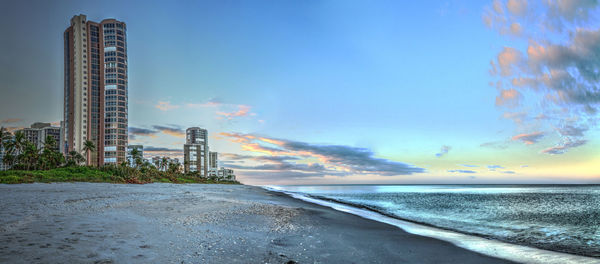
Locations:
(197, 223)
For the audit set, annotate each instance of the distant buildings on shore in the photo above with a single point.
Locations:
(96, 104)
(198, 158)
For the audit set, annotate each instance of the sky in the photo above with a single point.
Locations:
(339, 92)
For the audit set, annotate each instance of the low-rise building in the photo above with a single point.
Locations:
(221, 174)
(38, 132)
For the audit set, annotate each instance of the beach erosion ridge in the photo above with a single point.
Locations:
(201, 223)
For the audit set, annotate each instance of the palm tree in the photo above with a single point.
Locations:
(87, 147)
(135, 155)
(50, 158)
(75, 158)
(30, 155)
(164, 163)
(19, 142)
(4, 137)
(49, 142)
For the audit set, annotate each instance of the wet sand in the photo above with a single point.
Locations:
(196, 223)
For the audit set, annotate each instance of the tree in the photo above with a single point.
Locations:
(5, 142)
(174, 167)
(50, 158)
(75, 158)
(19, 142)
(4, 137)
(30, 156)
(87, 147)
(136, 155)
(164, 163)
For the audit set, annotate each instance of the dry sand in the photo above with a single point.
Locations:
(196, 223)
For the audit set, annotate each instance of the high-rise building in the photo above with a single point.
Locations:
(195, 151)
(95, 87)
(213, 160)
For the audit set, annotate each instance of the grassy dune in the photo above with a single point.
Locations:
(103, 174)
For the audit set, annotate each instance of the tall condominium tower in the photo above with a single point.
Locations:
(95, 103)
(213, 160)
(195, 151)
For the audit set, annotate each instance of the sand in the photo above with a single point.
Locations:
(196, 223)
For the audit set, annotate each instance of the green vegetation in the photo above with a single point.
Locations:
(47, 165)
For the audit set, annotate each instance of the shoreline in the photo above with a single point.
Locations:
(493, 248)
(197, 223)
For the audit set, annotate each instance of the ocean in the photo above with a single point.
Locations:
(558, 218)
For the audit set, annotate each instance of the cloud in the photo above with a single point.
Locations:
(161, 149)
(517, 7)
(243, 110)
(507, 60)
(494, 145)
(150, 151)
(137, 131)
(497, 5)
(517, 117)
(11, 120)
(508, 172)
(494, 167)
(280, 165)
(13, 129)
(443, 151)
(515, 29)
(336, 159)
(165, 106)
(173, 130)
(562, 148)
(557, 72)
(530, 138)
(569, 10)
(509, 97)
(572, 131)
(212, 102)
(469, 166)
(462, 171)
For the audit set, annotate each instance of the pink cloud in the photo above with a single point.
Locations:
(165, 106)
(507, 60)
(243, 110)
(517, 7)
(508, 97)
(11, 120)
(530, 138)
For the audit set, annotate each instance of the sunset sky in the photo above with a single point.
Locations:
(309, 92)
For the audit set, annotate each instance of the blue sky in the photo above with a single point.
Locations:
(401, 81)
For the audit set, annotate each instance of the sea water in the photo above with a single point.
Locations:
(559, 218)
